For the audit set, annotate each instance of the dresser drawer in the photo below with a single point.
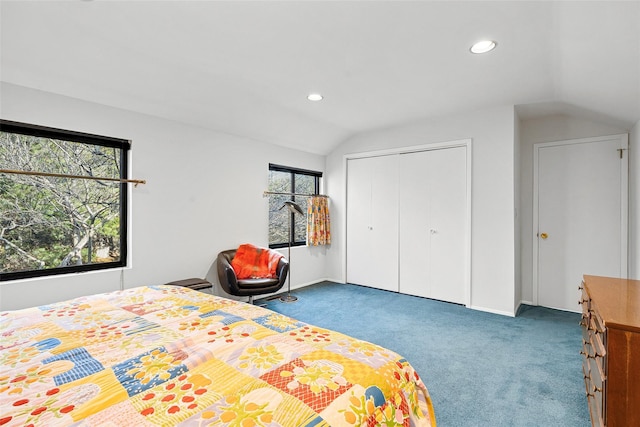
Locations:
(596, 373)
(596, 414)
(597, 344)
(586, 371)
(585, 330)
(595, 398)
(585, 301)
(586, 353)
(596, 323)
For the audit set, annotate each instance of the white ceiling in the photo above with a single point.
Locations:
(245, 67)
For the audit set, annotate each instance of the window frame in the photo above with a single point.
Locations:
(295, 171)
(88, 139)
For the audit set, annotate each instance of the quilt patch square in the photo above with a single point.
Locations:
(316, 383)
(318, 337)
(137, 325)
(148, 370)
(362, 351)
(224, 317)
(143, 308)
(62, 310)
(83, 365)
(278, 322)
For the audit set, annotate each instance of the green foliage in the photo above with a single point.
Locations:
(111, 228)
(51, 254)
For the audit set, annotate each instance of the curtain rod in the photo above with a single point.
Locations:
(268, 193)
(61, 175)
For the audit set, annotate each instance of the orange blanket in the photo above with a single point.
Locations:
(252, 262)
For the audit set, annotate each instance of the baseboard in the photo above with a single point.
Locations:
(303, 285)
(491, 310)
(485, 309)
(488, 310)
(284, 289)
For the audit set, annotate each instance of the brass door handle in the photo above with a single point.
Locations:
(544, 235)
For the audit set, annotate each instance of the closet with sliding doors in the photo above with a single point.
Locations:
(408, 220)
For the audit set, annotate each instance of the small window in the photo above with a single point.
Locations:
(55, 225)
(297, 183)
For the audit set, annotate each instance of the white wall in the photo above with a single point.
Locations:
(634, 202)
(203, 195)
(492, 224)
(557, 127)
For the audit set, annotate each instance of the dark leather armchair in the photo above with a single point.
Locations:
(248, 287)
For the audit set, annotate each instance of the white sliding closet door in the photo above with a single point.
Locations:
(372, 222)
(433, 224)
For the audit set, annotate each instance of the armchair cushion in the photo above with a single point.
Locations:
(252, 262)
(257, 283)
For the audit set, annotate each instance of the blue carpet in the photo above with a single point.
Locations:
(481, 369)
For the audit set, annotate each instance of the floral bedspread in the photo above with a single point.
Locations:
(165, 355)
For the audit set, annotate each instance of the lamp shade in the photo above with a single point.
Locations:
(293, 207)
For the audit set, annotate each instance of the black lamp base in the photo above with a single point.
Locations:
(288, 298)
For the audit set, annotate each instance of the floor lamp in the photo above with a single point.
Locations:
(294, 208)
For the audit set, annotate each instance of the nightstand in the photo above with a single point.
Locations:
(193, 283)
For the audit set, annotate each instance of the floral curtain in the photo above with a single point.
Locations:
(318, 222)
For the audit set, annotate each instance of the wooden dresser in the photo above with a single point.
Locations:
(611, 350)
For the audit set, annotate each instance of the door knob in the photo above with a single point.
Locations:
(544, 235)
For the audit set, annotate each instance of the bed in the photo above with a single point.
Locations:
(168, 355)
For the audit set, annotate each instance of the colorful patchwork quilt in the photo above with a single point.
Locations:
(166, 355)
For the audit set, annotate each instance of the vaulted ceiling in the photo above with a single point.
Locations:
(246, 67)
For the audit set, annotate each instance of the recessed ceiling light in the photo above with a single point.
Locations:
(483, 46)
(314, 97)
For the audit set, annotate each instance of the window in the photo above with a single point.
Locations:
(284, 179)
(55, 225)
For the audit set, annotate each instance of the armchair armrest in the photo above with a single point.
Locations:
(226, 275)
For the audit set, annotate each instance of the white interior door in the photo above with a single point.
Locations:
(372, 222)
(581, 221)
(359, 237)
(433, 224)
